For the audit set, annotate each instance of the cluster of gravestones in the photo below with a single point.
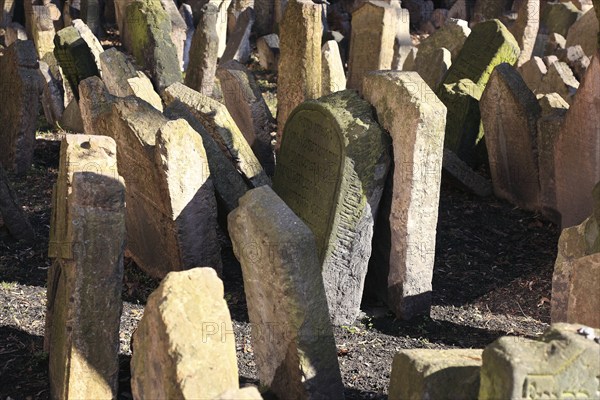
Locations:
(347, 208)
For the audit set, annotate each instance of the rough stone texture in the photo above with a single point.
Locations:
(184, 345)
(246, 393)
(458, 172)
(11, 212)
(200, 74)
(21, 84)
(90, 14)
(525, 29)
(146, 35)
(178, 28)
(268, 51)
(248, 109)
(560, 79)
(7, 8)
(238, 47)
(409, 62)
(87, 241)
(584, 32)
(171, 209)
(333, 78)
(42, 31)
(533, 72)
(122, 79)
(576, 59)
(120, 15)
(91, 40)
(331, 171)
(218, 122)
(509, 113)
(264, 17)
(577, 155)
(561, 364)
(402, 42)
(299, 77)
(13, 32)
(71, 118)
(293, 342)
(451, 36)
(53, 93)
(555, 42)
(415, 119)
(434, 70)
(489, 9)
(435, 374)
(186, 12)
(557, 17)
(371, 42)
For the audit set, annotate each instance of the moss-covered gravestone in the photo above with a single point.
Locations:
(331, 171)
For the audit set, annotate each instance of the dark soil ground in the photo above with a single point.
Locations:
(492, 277)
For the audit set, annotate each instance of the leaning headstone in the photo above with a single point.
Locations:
(451, 36)
(178, 28)
(42, 31)
(186, 12)
(533, 72)
(435, 374)
(120, 15)
(434, 70)
(21, 84)
(218, 122)
(418, 152)
(331, 170)
(171, 208)
(509, 113)
(557, 17)
(584, 32)
(248, 109)
(293, 343)
(402, 41)
(333, 78)
(87, 243)
(147, 36)
(53, 93)
(11, 212)
(238, 47)
(90, 14)
(268, 51)
(71, 118)
(576, 59)
(372, 41)
(200, 74)
(299, 77)
(459, 173)
(559, 79)
(91, 40)
(525, 29)
(561, 364)
(7, 8)
(184, 344)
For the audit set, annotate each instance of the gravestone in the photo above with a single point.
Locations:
(333, 78)
(561, 364)
(459, 173)
(248, 109)
(331, 170)
(91, 40)
(120, 15)
(372, 41)
(434, 70)
(577, 155)
(402, 41)
(7, 8)
(555, 42)
(87, 242)
(509, 113)
(533, 72)
(557, 17)
(90, 14)
(576, 59)
(299, 76)
(71, 118)
(186, 12)
(171, 208)
(238, 47)
(525, 29)
(268, 51)
(53, 93)
(13, 216)
(451, 36)
(560, 79)
(184, 345)
(200, 74)
(178, 31)
(584, 32)
(264, 17)
(407, 267)
(21, 85)
(42, 31)
(293, 343)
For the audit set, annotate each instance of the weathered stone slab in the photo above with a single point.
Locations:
(13, 32)
(435, 374)
(509, 113)
(451, 36)
(90, 14)
(248, 109)
(403, 41)
(533, 72)
(238, 47)
(186, 12)
(584, 32)
(53, 93)
(557, 17)
(178, 28)
(562, 363)
(525, 29)
(21, 84)
(7, 8)
(12, 214)
(265, 10)
(333, 78)
(184, 344)
(560, 79)
(555, 42)
(202, 67)
(71, 118)
(372, 41)
(576, 59)
(122, 79)
(91, 40)
(418, 152)
(490, 9)
(463, 176)
(218, 122)
(434, 70)
(171, 209)
(293, 342)
(120, 15)
(299, 77)
(577, 155)
(331, 171)
(268, 51)
(147, 31)
(87, 242)
(42, 30)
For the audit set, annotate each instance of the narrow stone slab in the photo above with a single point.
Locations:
(294, 347)
(533, 72)
(525, 29)
(463, 176)
(178, 28)
(584, 32)
(87, 242)
(53, 92)
(12, 214)
(91, 40)
(560, 79)
(400, 97)
(333, 78)
(331, 171)
(184, 344)
(238, 47)
(218, 122)
(509, 113)
(268, 51)
(562, 363)
(557, 17)
(451, 36)
(42, 30)
(435, 69)
(435, 374)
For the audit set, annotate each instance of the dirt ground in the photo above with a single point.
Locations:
(492, 277)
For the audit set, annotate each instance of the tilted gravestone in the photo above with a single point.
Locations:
(200, 74)
(331, 171)
(584, 32)
(293, 342)
(525, 29)
(238, 46)
(87, 243)
(178, 28)
(409, 110)
(333, 78)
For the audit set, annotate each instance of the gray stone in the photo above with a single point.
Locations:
(576, 59)
(560, 79)
(434, 71)
(91, 40)
(264, 17)
(87, 242)
(238, 47)
(557, 17)
(533, 72)
(178, 28)
(331, 170)
(268, 51)
(53, 93)
(584, 32)
(293, 343)
(71, 118)
(451, 36)
(403, 41)
(333, 77)
(7, 8)
(186, 12)
(13, 216)
(457, 171)
(90, 14)
(555, 42)
(525, 29)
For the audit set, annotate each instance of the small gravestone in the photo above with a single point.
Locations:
(533, 72)
(372, 41)
(178, 28)
(71, 118)
(561, 364)
(91, 40)
(509, 113)
(560, 79)
(184, 345)
(525, 29)
(238, 47)
(403, 41)
(459, 173)
(333, 76)
(576, 59)
(557, 17)
(293, 343)
(200, 74)
(399, 97)
(42, 31)
(299, 76)
(248, 109)
(21, 85)
(87, 243)
(435, 69)
(13, 216)
(53, 93)
(120, 15)
(268, 51)
(451, 36)
(331, 171)
(90, 14)
(584, 32)
(186, 12)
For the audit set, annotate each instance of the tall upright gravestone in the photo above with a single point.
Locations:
(331, 170)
